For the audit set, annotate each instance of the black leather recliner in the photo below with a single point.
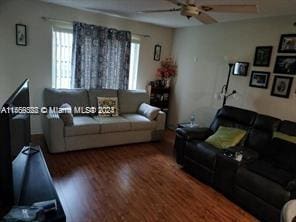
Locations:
(266, 184)
(261, 186)
(199, 157)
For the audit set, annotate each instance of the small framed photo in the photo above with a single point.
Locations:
(241, 68)
(287, 44)
(281, 86)
(21, 34)
(262, 56)
(285, 65)
(259, 79)
(157, 52)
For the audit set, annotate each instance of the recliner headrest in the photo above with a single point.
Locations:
(266, 123)
(288, 127)
(242, 116)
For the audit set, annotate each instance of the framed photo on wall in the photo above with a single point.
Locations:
(241, 68)
(21, 34)
(281, 86)
(287, 44)
(157, 52)
(259, 79)
(285, 65)
(262, 56)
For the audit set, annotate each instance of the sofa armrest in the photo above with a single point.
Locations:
(53, 127)
(194, 133)
(160, 120)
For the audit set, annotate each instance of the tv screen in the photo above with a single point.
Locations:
(15, 133)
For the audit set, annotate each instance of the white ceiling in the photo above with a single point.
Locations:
(128, 9)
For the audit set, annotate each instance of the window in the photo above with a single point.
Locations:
(133, 68)
(62, 57)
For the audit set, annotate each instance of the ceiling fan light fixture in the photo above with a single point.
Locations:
(189, 11)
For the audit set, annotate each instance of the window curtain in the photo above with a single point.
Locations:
(100, 58)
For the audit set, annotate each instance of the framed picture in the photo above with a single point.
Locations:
(157, 52)
(262, 56)
(285, 65)
(241, 68)
(281, 86)
(287, 44)
(259, 79)
(21, 34)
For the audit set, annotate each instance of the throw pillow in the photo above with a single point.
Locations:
(151, 112)
(226, 137)
(65, 113)
(283, 136)
(108, 106)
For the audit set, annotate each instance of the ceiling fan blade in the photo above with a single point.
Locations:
(230, 8)
(108, 12)
(176, 2)
(161, 10)
(205, 18)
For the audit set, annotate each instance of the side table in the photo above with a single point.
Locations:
(226, 167)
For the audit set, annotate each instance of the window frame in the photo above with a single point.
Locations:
(135, 40)
(57, 28)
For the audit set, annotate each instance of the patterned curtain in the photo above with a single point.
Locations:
(100, 58)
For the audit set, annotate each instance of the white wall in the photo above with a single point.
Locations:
(34, 61)
(197, 82)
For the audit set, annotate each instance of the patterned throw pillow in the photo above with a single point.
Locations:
(108, 106)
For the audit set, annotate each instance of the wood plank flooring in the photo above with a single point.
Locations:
(139, 182)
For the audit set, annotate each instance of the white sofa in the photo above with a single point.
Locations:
(91, 131)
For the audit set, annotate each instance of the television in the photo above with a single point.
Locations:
(15, 133)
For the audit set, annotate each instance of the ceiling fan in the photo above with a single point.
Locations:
(190, 9)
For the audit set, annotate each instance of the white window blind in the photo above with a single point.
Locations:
(62, 57)
(133, 68)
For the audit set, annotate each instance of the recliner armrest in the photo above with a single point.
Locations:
(291, 186)
(195, 133)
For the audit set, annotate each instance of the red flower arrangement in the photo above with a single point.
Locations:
(168, 69)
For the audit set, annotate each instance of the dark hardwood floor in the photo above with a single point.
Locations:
(139, 182)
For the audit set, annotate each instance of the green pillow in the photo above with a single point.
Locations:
(283, 136)
(226, 137)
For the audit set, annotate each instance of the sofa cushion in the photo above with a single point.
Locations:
(262, 187)
(148, 111)
(139, 122)
(284, 154)
(130, 100)
(82, 125)
(57, 97)
(95, 93)
(202, 152)
(271, 172)
(113, 124)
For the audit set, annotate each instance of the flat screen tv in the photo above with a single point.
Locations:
(15, 132)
